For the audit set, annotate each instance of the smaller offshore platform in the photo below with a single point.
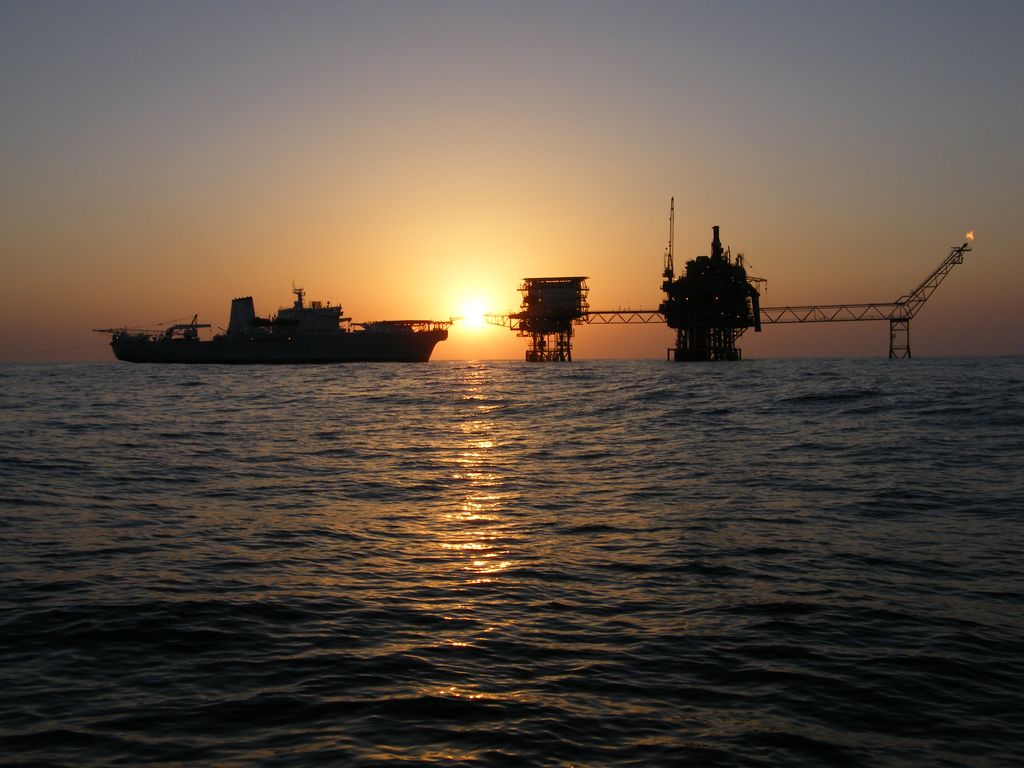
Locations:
(551, 306)
(711, 304)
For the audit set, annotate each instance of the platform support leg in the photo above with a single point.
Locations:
(899, 338)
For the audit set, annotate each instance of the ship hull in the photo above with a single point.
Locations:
(351, 347)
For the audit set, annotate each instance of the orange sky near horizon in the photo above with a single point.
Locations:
(409, 160)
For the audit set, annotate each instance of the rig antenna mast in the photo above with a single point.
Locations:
(670, 271)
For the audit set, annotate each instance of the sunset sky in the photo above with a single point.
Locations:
(418, 159)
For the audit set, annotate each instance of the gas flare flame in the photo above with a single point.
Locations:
(970, 235)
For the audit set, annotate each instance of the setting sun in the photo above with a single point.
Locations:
(471, 315)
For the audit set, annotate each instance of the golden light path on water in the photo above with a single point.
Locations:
(472, 534)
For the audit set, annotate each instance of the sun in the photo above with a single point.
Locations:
(471, 315)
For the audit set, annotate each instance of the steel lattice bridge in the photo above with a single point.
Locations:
(548, 318)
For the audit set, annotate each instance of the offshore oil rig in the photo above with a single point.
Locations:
(709, 306)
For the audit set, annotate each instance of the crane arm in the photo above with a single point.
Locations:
(904, 308)
(910, 303)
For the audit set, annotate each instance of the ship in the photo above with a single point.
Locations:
(313, 333)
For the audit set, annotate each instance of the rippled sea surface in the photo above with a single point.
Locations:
(597, 564)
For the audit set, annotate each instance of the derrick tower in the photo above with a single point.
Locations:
(711, 304)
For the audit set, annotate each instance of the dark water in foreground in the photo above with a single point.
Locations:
(599, 564)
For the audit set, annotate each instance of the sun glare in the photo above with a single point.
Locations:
(471, 315)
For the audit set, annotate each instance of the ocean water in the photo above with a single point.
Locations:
(602, 563)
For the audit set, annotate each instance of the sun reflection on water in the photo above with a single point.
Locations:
(474, 532)
(474, 540)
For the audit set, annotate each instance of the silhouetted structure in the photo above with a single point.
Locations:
(297, 334)
(899, 313)
(551, 305)
(711, 305)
